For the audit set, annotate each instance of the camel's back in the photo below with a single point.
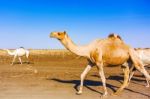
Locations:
(114, 51)
(20, 51)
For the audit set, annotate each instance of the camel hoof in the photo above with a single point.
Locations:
(147, 86)
(103, 96)
(79, 93)
(115, 94)
(35, 71)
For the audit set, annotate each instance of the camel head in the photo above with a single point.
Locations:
(58, 35)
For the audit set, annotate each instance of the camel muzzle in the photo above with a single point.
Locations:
(52, 35)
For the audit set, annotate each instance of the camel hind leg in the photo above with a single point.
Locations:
(132, 70)
(27, 56)
(102, 76)
(126, 78)
(13, 60)
(131, 75)
(147, 81)
(138, 63)
(20, 59)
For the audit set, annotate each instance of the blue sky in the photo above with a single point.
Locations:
(28, 22)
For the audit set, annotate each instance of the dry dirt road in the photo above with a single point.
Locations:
(59, 78)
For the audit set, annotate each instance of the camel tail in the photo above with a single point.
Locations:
(27, 54)
(138, 63)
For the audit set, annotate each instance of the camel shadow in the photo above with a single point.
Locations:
(27, 62)
(120, 79)
(15, 63)
(116, 78)
(133, 80)
(87, 84)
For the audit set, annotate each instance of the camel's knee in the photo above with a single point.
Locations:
(27, 56)
(84, 73)
(103, 79)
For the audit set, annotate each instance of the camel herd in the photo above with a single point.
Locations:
(102, 52)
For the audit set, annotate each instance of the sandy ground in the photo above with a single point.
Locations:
(59, 78)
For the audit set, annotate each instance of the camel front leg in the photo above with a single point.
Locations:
(13, 60)
(20, 60)
(101, 73)
(83, 75)
(126, 79)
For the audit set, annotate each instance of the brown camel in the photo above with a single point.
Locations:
(103, 52)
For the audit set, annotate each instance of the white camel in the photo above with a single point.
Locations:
(18, 53)
(144, 55)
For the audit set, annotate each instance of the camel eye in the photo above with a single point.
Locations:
(59, 34)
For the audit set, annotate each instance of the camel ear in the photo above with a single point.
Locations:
(64, 32)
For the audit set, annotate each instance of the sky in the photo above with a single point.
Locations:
(28, 23)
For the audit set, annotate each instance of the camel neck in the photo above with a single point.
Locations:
(9, 52)
(71, 46)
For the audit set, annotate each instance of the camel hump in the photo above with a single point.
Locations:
(137, 48)
(147, 48)
(113, 35)
(22, 47)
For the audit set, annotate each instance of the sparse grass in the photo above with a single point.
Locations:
(61, 53)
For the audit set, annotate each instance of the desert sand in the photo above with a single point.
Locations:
(53, 76)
